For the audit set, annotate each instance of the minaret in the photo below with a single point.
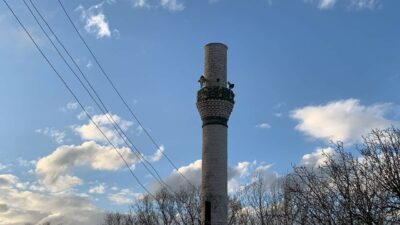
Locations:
(215, 101)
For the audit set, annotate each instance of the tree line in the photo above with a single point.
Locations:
(356, 188)
(349, 188)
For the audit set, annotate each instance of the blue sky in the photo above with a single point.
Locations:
(306, 72)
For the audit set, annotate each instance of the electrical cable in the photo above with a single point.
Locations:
(73, 94)
(102, 107)
(119, 94)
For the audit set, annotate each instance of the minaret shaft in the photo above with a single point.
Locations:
(215, 103)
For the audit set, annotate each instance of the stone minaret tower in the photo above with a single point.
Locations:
(215, 101)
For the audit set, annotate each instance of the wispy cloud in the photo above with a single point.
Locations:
(172, 5)
(98, 189)
(124, 197)
(350, 4)
(3, 166)
(322, 4)
(57, 135)
(263, 126)
(326, 4)
(89, 64)
(70, 106)
(25, 163)
(141, 4)
(16, 37)
(364, 4)
(82, 115)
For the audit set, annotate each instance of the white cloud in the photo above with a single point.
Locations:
(82, 115)
(352, 4)
(7, 180)
(238, 175)
(57, 135)
(263, 171)
(114, 188)
(111, 1)
(172, 5)
(3, 208)
(25, 163)
(124, 197)
(140, 3)
(279, 105)
(344, 120)
(192, 172)
(99, 189)
(234, 186)
(54, 168)
(89, 131)
(242, 168)
(245, 173)
(263, 126)
(98, 24)
(139, 130)
(364, 4)
(2, 166)
(18, 207)
(317, 158)
(72, 105)
(263, 167)
(157, 155)
(95, 20)
(326, 4)
(323, 4)
(89, 64)
(24, 185)
(37, 187)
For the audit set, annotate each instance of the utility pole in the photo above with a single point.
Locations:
(215, 101)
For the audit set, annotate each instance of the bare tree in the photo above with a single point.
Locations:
(381, 152)
(347, 189)
(113, 219)
(145, 212)
(166, 207)
(188, 206)
(354, 189)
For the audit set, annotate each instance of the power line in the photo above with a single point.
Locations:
(102, 107)
(120, 95)
(73, 94)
